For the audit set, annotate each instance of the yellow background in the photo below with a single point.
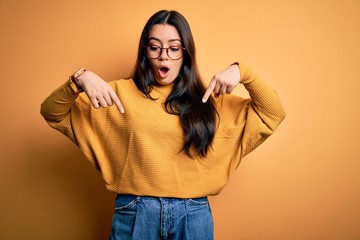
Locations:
(303, 183)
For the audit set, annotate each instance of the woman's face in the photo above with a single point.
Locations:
(165, 69)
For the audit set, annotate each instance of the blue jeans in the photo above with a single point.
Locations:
(152, 218)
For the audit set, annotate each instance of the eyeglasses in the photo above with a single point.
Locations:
(174, 52)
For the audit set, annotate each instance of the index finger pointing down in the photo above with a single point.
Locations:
(208, 92)
(117, 102)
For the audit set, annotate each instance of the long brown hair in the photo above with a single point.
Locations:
(198, 119)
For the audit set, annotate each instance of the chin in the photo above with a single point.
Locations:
(164, 82)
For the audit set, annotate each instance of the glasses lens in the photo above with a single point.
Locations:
(153, 51)
(175, 52)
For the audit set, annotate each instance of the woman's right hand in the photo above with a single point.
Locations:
(99, 91)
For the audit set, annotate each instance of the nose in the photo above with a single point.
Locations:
(164, 54)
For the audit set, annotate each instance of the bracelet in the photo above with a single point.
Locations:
(75, 80)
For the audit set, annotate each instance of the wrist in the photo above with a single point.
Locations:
(237, 65)
(74, 78)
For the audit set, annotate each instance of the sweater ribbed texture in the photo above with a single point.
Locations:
(139, 152)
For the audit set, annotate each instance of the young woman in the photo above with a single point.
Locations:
(161, 140)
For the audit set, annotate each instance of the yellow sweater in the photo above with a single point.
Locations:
(139, 152)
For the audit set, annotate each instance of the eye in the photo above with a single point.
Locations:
(153, 48)
(174, 48)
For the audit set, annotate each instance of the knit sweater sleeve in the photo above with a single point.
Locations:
(57, 106)
(246, 123)
(72, 114)
(264, 111)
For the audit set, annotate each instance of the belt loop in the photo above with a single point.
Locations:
(138, 198)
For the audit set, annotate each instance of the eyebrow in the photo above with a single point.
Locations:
(170, 40)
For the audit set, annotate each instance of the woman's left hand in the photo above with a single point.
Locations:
(223, 82)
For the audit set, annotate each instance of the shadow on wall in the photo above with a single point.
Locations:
(60, 196)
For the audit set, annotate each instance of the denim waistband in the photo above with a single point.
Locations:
(135, 197)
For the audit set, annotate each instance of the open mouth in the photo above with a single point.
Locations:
(164, 72)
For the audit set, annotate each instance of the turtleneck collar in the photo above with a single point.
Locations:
(161, 92)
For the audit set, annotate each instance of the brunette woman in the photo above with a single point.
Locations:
(162, 140)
